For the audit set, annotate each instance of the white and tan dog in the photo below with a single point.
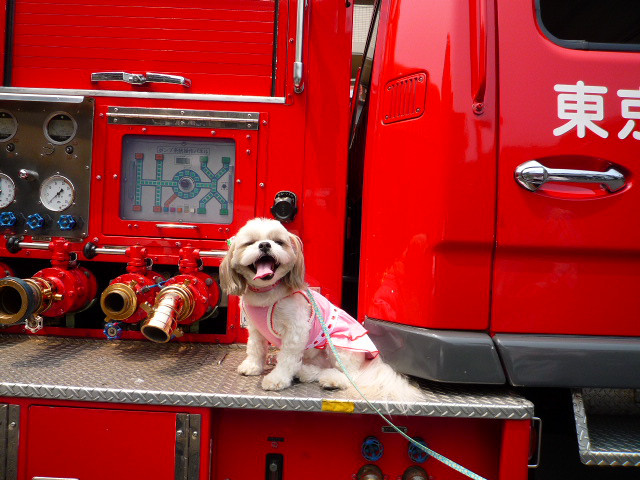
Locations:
(265, 266)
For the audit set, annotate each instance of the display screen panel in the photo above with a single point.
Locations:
(177, 179)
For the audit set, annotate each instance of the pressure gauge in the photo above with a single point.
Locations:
(60, 128)
(57, 193)
(8, 126)
(7, 190)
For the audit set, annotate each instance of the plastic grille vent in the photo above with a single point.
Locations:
(404, 98)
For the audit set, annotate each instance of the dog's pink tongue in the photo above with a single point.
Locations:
(264, 268)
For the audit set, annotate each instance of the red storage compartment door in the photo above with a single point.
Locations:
(223, 47)
(568, 252)
(86, 443)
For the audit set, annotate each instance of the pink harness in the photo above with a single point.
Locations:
(346, 331)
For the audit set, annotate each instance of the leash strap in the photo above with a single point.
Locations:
(441, 458)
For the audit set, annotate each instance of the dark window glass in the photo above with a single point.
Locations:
(592, 24)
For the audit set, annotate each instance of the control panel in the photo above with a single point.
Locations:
(177, 179)
(45, 167)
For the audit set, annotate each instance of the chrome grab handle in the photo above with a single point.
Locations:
(297, 64)
(139, 78)
(131, 78)
(177, 225)
(53, 478)
(532, 175)
(164, 78)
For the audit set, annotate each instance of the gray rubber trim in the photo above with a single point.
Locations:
(440, 355)
(570, 360)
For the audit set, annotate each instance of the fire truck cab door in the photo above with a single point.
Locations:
(568, 221)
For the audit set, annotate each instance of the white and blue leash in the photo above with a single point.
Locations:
(436, 455)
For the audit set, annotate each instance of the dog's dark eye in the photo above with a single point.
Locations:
(279, 242)
(248, 244)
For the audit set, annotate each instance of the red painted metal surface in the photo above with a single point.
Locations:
(429, 182)
(515, 450)
(567, 255)
(332, 443)
(72, 439)
(223, 47)
(62, 442)
(81, 440)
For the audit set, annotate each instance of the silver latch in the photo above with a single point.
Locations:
(532, 175)
(140, 78)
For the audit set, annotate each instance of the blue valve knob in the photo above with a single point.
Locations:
(35, 221)
(372, 449)
(7, 219)
(66, 222)
(113, 330)
(416, 454)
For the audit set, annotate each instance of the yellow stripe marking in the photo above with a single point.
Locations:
(336, 406)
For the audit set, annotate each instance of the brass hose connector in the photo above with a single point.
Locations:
(173, 304)
(21, 298)
(119, 301)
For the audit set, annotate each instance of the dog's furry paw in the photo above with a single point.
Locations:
(332, 379)
(276, 381)
(308, 373)
(250, 367)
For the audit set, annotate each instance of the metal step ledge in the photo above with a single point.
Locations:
(203, 375)
(608, 426)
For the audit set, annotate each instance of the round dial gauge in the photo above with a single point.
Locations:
(57, 193)
(60, 128)
(7, 190)
(8, 126)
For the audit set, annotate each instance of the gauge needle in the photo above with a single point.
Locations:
(59, 192)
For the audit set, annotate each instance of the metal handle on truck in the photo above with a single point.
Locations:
(139, 78)
(478, 19)
(297, 64)
(532, 175)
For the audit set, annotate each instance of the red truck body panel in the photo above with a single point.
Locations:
(449, 239)
(428, 223)
(566, 258)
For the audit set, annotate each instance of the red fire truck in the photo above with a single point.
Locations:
(465, 183)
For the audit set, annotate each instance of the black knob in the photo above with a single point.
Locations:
(284, 206)
(89, 250)
(13, 244)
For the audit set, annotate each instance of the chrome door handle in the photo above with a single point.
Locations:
(131, 78)
(532, 175)
(139, 78)
(164, 78)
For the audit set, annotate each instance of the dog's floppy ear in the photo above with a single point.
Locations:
(295, 278)
(231, 282)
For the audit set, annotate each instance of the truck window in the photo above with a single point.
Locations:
(591, 24)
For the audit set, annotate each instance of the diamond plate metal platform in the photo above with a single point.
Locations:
(201, 375)
(608, 426)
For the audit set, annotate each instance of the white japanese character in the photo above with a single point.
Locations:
(581, 105)
(631, 101)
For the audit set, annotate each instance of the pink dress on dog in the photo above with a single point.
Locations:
(346, 331)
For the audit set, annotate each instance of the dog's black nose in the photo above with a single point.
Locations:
(264, 246)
